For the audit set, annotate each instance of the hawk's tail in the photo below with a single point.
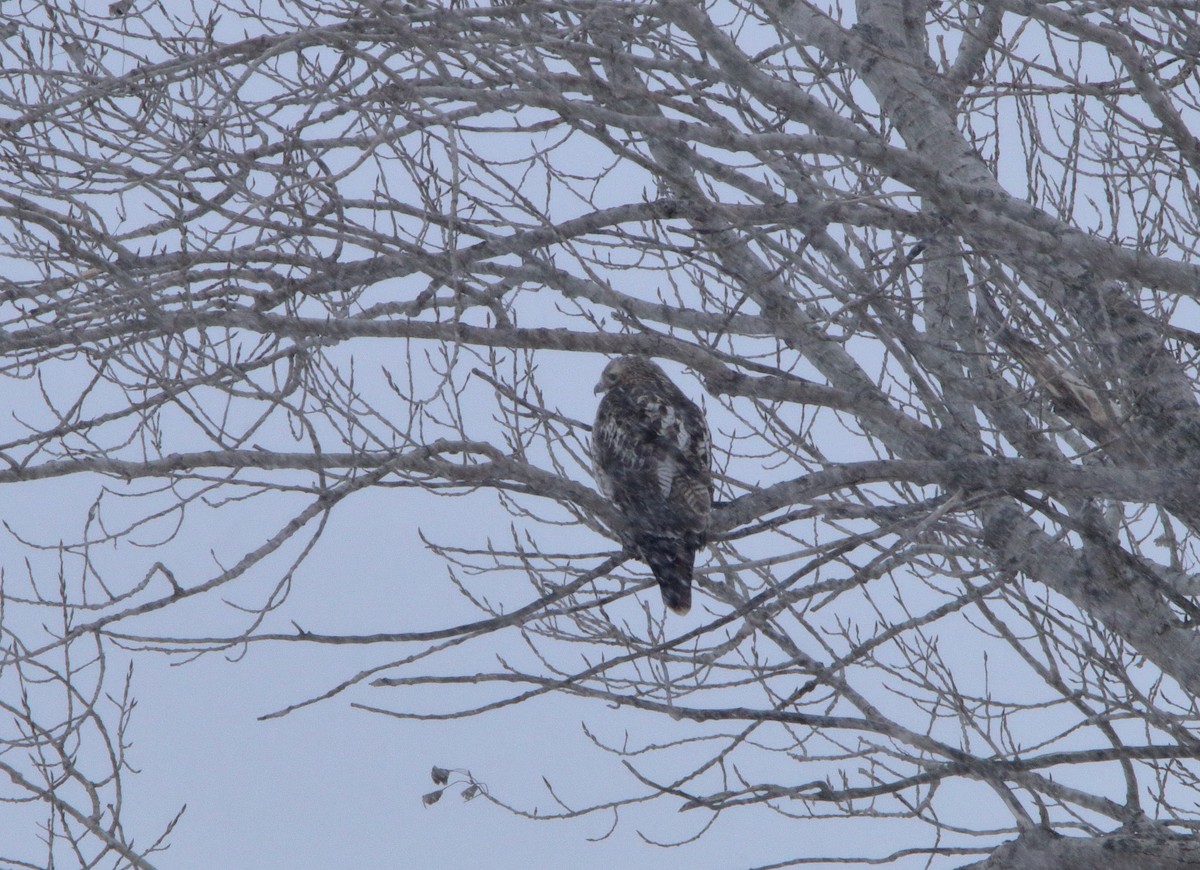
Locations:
(671, 560)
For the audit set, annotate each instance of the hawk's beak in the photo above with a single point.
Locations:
(599, 389)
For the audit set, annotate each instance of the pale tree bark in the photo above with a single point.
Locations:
(930, 264)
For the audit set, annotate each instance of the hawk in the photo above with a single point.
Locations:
(651, 456)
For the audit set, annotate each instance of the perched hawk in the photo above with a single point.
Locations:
(651, 455)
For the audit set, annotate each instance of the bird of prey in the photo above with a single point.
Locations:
(651, 455)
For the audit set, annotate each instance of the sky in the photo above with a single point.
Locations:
(333, 786)
(330, 785)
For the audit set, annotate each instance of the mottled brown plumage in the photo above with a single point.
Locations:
(651, 455)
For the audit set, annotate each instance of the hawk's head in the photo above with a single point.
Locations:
(629, 370)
